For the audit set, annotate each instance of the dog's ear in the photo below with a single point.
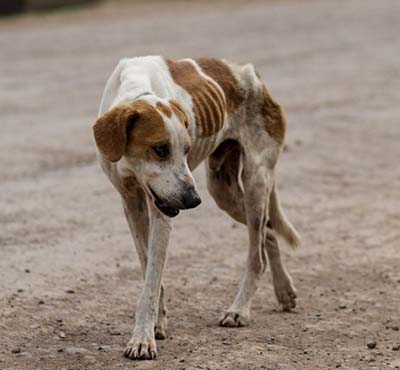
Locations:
(180, 112)
(111, 131)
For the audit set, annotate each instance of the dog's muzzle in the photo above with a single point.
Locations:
(189, 199)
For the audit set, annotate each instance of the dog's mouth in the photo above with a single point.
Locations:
(162, 206)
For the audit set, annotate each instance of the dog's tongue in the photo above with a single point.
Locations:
(168, 211)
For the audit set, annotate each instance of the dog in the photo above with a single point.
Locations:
(158, 120)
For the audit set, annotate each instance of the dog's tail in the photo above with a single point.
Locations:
(280, 223)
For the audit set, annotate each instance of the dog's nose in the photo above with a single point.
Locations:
(191, 199)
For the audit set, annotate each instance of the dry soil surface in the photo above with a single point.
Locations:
(69, 273)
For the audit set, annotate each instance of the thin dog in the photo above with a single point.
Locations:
(158, 120)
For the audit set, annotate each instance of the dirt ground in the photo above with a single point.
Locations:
(69, 273)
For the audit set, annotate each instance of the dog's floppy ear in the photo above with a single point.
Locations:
(180, 112)
(111, 131)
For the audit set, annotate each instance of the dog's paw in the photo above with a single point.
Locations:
(233, 319)
(286, 294)
(141, 348)
(161, 328)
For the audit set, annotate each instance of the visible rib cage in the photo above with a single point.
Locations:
(209, 105)
(221, 73)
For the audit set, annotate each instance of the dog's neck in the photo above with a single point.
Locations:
(145, 93)
(134, 87)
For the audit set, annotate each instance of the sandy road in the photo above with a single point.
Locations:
(69, 276)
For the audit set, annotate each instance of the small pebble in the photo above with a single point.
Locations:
(41, 301)
(61, 334)
(396, 348)
(342, 306)
(114, 332)
(27, 271)
(70, 291)
(16, 350)
(372, 344)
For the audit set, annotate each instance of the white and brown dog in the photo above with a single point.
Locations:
(158, 120)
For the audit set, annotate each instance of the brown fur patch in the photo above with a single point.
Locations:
(110, 131)
(222, 74)
(148, 130)
(180, 112)
(130, 185)
(164, 109)
(208, 101)
(274, 117)
(130, 127)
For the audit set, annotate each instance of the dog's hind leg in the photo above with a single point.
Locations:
(137, 216)
(257, 182)
(284, 289)
(247, 201)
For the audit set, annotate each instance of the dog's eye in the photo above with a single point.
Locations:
(161, 150)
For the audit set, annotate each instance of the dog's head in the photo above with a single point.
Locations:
(151, 137)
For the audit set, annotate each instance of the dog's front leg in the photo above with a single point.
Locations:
(142, 344)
